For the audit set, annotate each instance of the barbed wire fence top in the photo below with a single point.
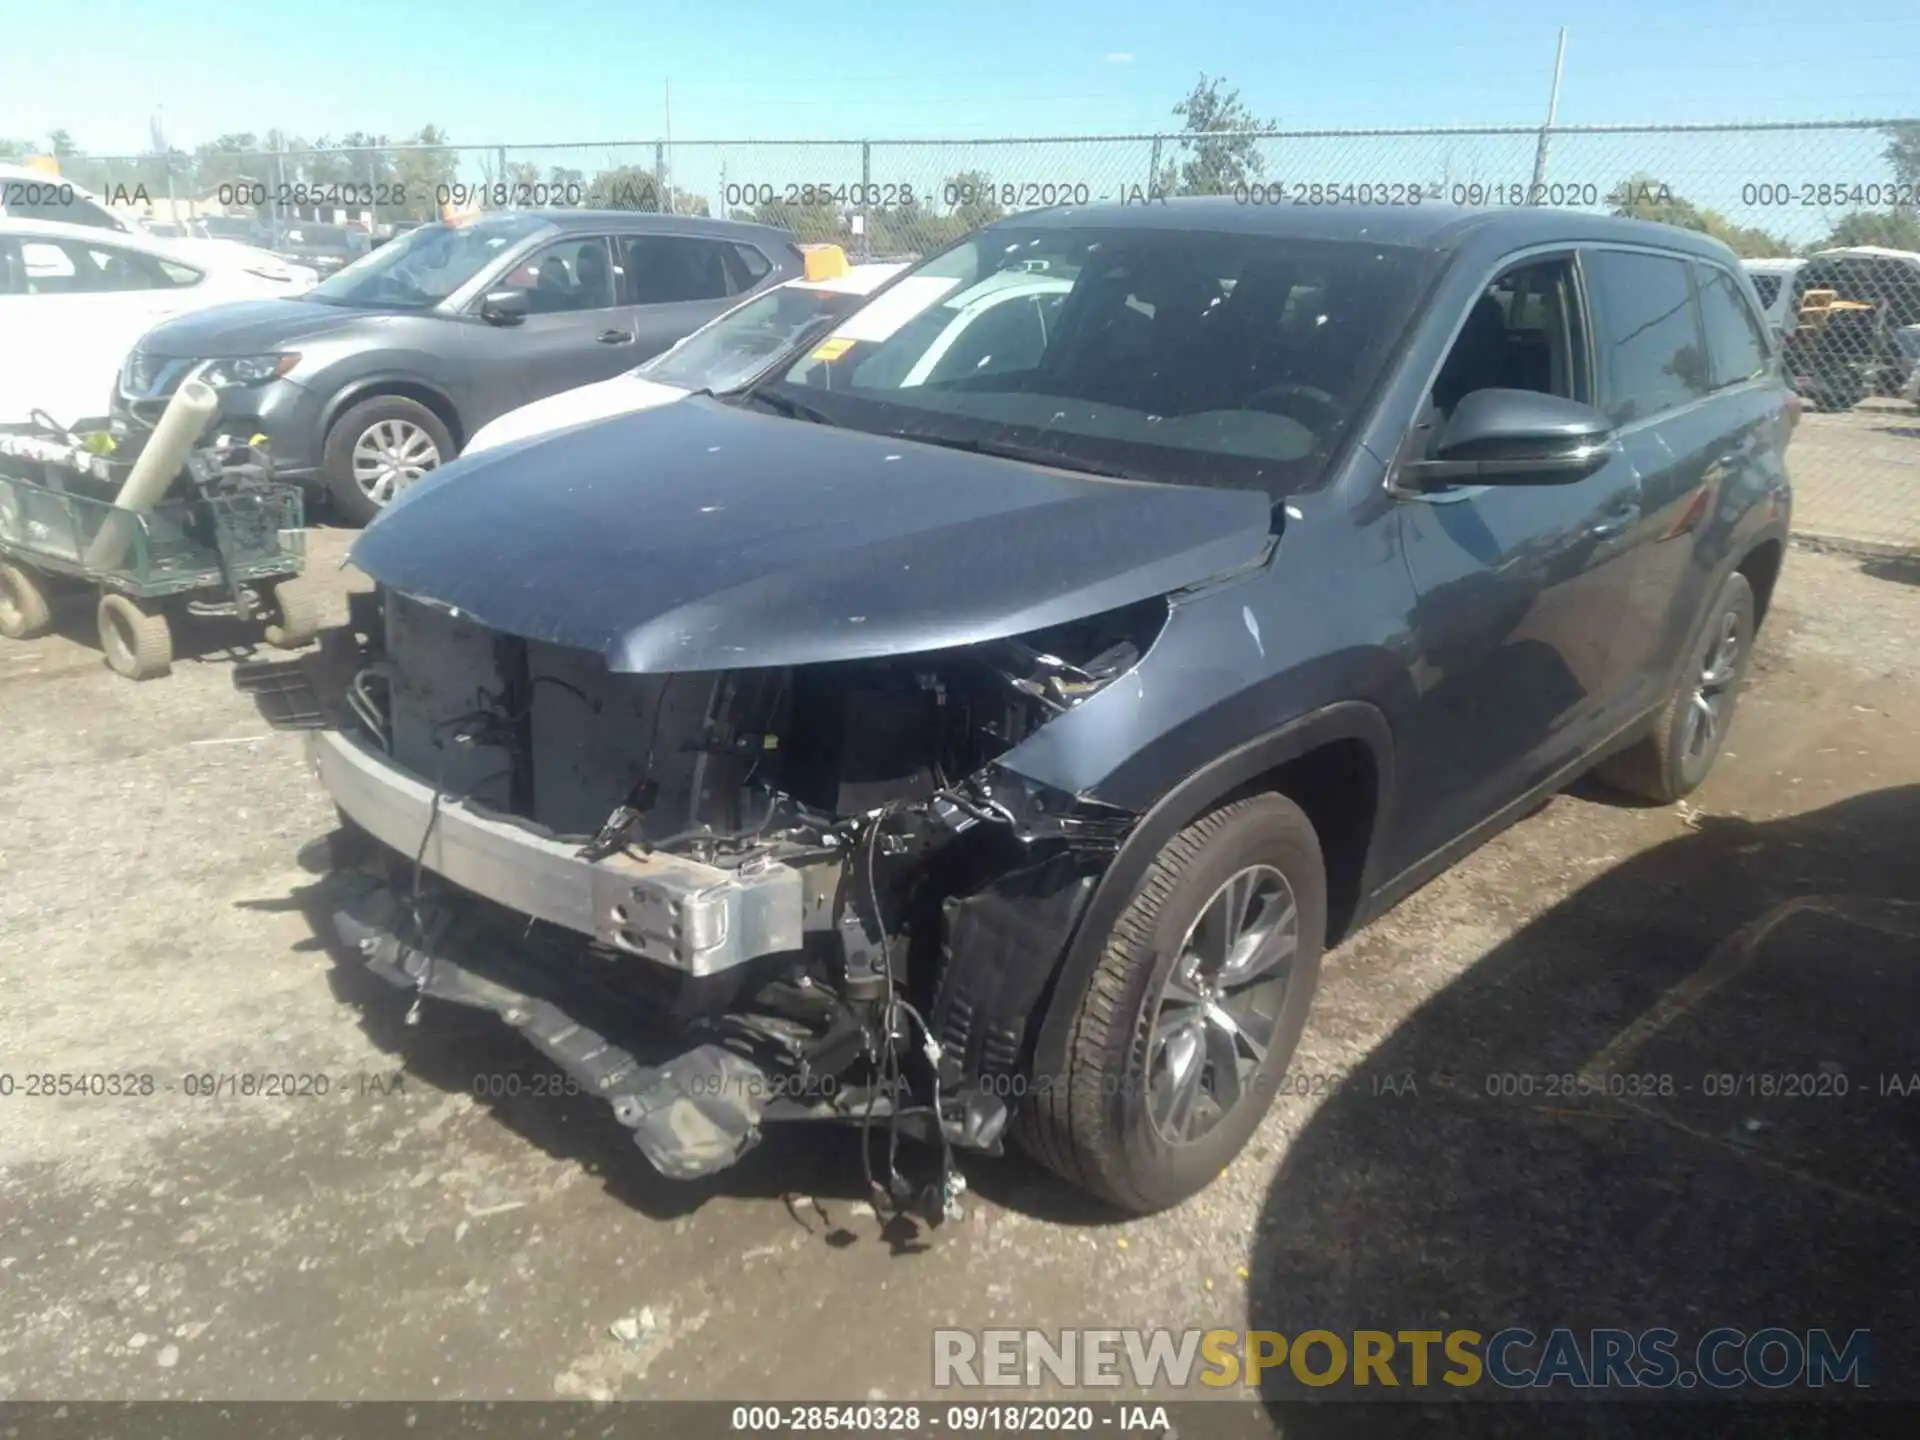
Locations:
(1775, 191)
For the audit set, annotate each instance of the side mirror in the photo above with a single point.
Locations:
(504, 307)
(1516, 437)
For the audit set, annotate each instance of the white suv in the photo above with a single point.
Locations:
(75, 298)
(29, 194)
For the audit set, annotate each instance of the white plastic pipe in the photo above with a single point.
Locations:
(155, 471)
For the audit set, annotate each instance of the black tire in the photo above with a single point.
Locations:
(1093, 1126)
(135, 638)
(350, 502)
(24, 611)
(1668, 763)
(296, 615)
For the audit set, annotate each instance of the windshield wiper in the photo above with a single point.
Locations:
(1030, 454)
(792, 409)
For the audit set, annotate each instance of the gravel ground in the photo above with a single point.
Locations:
(1856, 475)
(402, 1237)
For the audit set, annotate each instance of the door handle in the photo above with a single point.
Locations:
(616, 337)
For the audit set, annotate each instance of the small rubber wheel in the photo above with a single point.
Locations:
(378, 448)
(1675, 756)
(1193, 1011)
(24, 611)
(296, 615)
(136, 638)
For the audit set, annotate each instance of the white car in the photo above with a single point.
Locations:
(30, 194)
(721, 355)
(75, 298)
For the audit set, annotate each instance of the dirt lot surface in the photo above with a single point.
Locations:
(402, 1236)
(1856, 475)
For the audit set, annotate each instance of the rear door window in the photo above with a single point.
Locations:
(1647, 334)
(671, 269)
(1736, 339)
(747, 267)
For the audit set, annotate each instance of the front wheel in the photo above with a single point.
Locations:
(1193, 1012)
(378, 448)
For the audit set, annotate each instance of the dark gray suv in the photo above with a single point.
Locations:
(1001, 707)
(379, 373)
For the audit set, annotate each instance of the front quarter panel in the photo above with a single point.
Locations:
(382, 351)
(1324, 621)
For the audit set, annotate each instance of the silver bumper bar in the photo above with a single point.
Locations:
(677, 912)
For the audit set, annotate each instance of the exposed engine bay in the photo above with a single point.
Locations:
(811, 888)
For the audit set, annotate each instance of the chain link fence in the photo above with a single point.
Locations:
(1780, 194)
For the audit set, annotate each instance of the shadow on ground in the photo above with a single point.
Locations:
(1689, 1191)
(1900, 570)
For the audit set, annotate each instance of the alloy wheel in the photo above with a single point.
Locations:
(1219, 1007)
(1713, 692)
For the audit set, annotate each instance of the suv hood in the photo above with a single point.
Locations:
(250, 327)
(702, 537)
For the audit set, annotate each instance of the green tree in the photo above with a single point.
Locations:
(907, 230)
(1647, 197)
(1220, 142)
(626, 187)
(638, 187)
(424, 174)
(1894, 229)
(76, 165)
(324, 164)
(522, 176)
(229, 159)
(12, 149)
(815, 224)
(975, 202)
(1903, 153)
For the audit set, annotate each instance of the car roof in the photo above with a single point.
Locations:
(96, 234)
(1420, 227)
(1866, 252)
(647, 222)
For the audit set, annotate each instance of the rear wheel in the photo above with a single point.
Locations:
(1193, 1012)
(378, 448)
(1675, 757)
(135, 637)
(24, 611)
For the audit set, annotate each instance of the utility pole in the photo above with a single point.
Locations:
(666, 168)
(1553, 109)
(166, 160)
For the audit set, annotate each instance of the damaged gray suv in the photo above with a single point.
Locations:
(983, 726)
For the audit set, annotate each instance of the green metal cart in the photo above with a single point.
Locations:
(227, 539)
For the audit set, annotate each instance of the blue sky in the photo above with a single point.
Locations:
(597, 69)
